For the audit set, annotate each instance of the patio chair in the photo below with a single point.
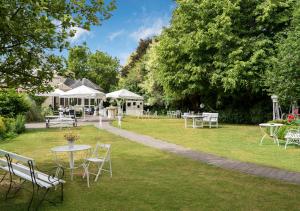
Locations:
(211, 119)
(100, 156)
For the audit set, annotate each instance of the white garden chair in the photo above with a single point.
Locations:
(99, 156)
(211, 119)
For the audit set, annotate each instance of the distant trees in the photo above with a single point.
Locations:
(99, 67)
(30, 30)
(283, 76)
(227, 54)
(133, 73)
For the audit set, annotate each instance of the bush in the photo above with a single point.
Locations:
(34, 113)
(12, 103)
(244, 117)
(10, 124)
(284, 129)
(2, 127)
(20, 124)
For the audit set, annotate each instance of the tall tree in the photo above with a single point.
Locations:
(220, 48)
(30, 30)
(283, 76)
(77, 60)
(103, 70)
(136, 56)
(98, 67)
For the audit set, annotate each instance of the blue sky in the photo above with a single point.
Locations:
(131, 21)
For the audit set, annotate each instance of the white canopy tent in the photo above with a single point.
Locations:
(55, 93)
(85, 94)
(52, 100)
(134, 102)
(124, 94)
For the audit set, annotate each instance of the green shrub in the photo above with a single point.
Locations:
(20, 124)
(10, 124)
(46, 111)
(284, 129)
(243, 117)
(2, 127)
(13, 103)
(34, 114)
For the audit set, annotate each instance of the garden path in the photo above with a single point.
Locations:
(226, 163)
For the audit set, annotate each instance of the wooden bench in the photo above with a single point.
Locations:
(25, 169)
(58, 120)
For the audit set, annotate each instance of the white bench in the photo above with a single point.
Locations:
(58, 120)
(292, 137)
(25, 169)
(211, 119)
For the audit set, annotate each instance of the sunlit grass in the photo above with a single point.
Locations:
(240, 142)
(148, 179)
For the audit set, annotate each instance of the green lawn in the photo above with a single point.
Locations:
(240, 142)
(148, 179)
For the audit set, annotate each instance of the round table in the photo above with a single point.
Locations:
(273, 131)
(70, 149)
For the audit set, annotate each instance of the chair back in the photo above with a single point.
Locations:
(214, 115)
(102, 151)
(206, 116)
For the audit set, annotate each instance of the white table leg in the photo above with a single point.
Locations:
(262, 139)
(194, 126)
(71, 164)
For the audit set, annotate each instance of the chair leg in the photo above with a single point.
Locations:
(286, 143)
(88, 178)
(99, 171)
(110, 168)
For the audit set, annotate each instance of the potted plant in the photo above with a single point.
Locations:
(71, 137)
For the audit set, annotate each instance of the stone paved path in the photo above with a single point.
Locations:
(244, 167)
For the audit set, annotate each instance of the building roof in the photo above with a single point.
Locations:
(68, 82)
(85, 82)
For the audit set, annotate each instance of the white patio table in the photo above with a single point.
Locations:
(70, 149)
(193, 117)
(273, 131)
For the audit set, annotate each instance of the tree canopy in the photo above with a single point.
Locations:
(283, 76)
(228, 54)
(30, 30)
(99, 67)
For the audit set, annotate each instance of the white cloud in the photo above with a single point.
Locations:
(114, 35)
(149, 28)
(80, 34)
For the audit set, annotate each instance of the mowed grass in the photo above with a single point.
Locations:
(240, 142)
(148, 179)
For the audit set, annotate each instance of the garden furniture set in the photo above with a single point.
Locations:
(24, 169)
(200, 120)
(292, 136)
